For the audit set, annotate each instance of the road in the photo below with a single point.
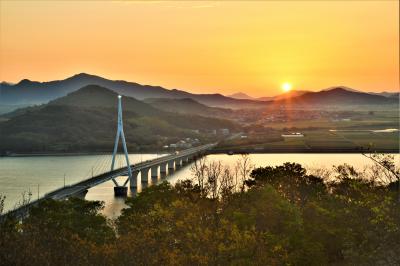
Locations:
(83, 186)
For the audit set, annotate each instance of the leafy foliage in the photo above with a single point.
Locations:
(285, 216)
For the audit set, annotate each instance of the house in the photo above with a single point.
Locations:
(224, 131)
(293, 135)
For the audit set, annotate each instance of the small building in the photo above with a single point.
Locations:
(293, 135)
(224, 131)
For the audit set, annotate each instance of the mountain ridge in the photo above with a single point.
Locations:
(338, 96)
(241, 95)
(28, 92)
(34, 92)
(187, 106)
(85, 120)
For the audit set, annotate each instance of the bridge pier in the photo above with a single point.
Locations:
(145, 177)
(154, 174)
(185, 160)
(178, 163)
(171, 166)
(120, 191)
(133, 179)
(163, 170)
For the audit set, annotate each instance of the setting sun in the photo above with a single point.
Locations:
(286, 87)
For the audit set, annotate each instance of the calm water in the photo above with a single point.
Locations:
(19, 174)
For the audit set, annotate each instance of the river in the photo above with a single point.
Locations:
(42, 174)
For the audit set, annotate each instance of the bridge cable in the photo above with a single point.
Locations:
(101, 167)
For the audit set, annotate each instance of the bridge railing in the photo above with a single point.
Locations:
(20, 210)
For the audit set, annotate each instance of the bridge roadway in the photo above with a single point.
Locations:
(84, 185)
(80, 188)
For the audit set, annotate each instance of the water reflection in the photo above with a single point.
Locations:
(18, 174)
(309, 161)
(42, 174)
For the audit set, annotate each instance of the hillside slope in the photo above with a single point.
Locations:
(186, 106)
(86, 120)
(338, 96)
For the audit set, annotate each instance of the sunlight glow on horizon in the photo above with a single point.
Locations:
(206, 47)
(286, 87)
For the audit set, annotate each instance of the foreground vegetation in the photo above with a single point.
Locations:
(278, 216)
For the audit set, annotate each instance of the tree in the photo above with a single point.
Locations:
(2, 199)
(387, 171)
(243, 169)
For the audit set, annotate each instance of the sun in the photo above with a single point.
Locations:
(286, 87)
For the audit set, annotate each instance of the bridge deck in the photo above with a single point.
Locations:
(86, 184)
(94, 181)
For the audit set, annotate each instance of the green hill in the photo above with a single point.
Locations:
(86, 120)
(186, 106)
(96, 96)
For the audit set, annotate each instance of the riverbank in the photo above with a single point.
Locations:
(239, 150)
(37, 154)
(236, 150)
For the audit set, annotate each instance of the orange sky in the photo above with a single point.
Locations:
(205, 47)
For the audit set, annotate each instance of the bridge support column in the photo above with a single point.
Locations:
(154, 174)
(171, 166)
(133, 180)
(185, 160)
(178, 163)
(120, 191)
(163, 170)
(120, 134)
(145, 177)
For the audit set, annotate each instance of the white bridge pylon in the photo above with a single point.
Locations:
(120, 134)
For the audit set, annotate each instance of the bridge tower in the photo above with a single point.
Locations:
(121, 190)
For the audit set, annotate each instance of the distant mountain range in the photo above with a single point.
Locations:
(386, 94)
(241, 95)
(33, 92)
(295, 93)
(85, 120)
(337, 96)
(28, 92)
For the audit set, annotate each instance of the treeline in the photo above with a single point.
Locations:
(279, 216)
(59, 128)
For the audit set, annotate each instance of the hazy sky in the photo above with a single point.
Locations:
(205, 47)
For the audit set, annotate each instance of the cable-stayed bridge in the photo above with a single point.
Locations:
(158, 168)
(109, 168)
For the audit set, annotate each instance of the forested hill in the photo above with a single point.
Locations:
(86, 120)
(100, 97)
(187, 106)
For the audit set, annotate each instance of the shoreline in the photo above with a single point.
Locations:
(300, 150)
(218, 151)
(71, 154)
